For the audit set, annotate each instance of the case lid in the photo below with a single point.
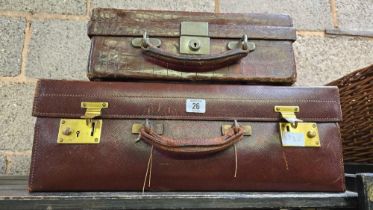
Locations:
(134, 100)
(133, 23)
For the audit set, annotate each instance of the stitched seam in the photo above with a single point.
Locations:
(177, 97)
(158, 140)
(35, 105)
(341, 166)
(51, 114)
(36, 98)
(34, 154)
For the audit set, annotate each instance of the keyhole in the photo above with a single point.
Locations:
(194, 45)
(77, 134)
(93, 129)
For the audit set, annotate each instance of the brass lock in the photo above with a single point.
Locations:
(295, 132)
(83, 131)
(194, 38)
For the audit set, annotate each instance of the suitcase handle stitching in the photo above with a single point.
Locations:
(232, 136)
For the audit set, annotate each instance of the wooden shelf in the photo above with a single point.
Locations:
(14, 195)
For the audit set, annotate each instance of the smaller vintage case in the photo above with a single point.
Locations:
(166, 45)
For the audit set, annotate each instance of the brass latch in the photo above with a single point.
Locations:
(295, 132)
(288, 113)
(194, 38)
(83, 131)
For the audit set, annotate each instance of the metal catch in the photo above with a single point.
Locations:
(295, 132)
(194, 38)
(83, 131)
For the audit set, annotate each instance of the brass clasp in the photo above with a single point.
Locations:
(83, 131)
(194, 38)
(295, 132)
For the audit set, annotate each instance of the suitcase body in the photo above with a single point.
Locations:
(108, 136)
(247, 48)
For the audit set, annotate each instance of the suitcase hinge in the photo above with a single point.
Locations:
(83, 131)
(295, 132)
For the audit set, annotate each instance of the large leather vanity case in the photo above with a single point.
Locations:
(165, 45)
(109, 136)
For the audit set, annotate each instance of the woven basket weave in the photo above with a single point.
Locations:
(356, 92)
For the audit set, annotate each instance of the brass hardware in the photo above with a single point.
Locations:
(247, 129)
(136, 127)
(243, 43)
(234, 45)
(295, 132)
(138, 42)
(83, 131)
(157, 127)
(304, 135)
(288, 113)
(67, 131)
(194, 44)
(311, 134)
(93, 109)
(81, 134)
(194, 38)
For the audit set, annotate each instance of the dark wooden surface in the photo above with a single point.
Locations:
(14, 195)
(356, 168)
(364, 184)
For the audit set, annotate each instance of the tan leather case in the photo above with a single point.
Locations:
(119, 52)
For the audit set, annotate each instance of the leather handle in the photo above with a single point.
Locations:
(192, 146)
(194, 63)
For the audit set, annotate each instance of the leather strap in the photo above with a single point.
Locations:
(192, 146)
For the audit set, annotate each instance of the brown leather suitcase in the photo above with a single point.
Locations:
(109, 136)
(165, 45)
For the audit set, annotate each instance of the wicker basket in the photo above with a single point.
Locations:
(356, 91)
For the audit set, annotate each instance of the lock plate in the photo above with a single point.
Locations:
(83, 131)
(299, 135)
(77, 131)
(194, 38)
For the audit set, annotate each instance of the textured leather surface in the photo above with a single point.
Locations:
(255, 163)
(112, 56)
